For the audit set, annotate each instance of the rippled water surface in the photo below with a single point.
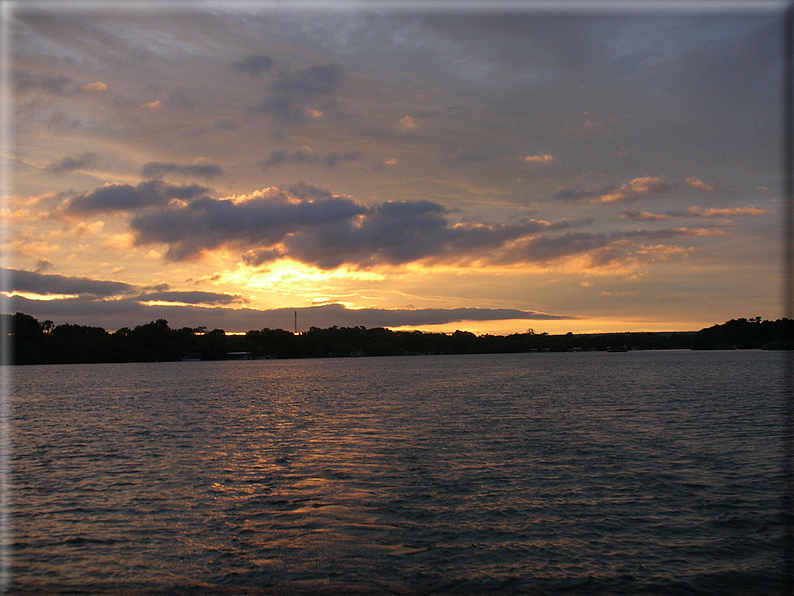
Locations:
(643, 472)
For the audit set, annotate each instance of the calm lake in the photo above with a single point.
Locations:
(576, 473)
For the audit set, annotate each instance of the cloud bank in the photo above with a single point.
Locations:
(115, 314)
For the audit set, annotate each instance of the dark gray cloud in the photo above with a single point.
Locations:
(156, 169)
(601, 248)
(289, 93)
(125, 197)
(225, 124)
(627, 192)
(306, 191)
(282, 156)
(46, 284)
(314, 227)
(62, 121)
(400, 232)
(258, 257)
(253, 64)
(467, 157)
(190, 297)
(314, 80)
(208, 223)
(85, 161)
(43, 264)
(94, 290)
(114, 314)
(54, 84)
(180, 100)
(549, 248)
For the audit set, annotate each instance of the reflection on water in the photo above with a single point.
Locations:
(652, 472)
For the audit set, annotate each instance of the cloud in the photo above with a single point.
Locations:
(125, 197)
(264, 219)
(545, 158)
(53, 84)
(95, 291)
(408, 123)
(225, 124)
(301, 190)
(290, 93)
(472, 157)
(694, 212)
(647, 185)
(310, 225)
(598, 249)
(647, 216)
(96, 86)
(85, 161)
(253, 64)
(180, 100)
(314, 80)
(155, 169)
(83, 228)
(152, 105)
(258, 257)
(43, 264)
(700, 185)
(45, 284)
(308, 155)
(571, 195)
(587, 125)
(190, 297)
(114, 314)
(630, 191)
(542, 249)
(727, 212)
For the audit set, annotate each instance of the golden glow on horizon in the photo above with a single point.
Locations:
(582, 325)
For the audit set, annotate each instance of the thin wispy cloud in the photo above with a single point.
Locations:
(253, 64)
(85, 161)
(207, 171)
(307, 155)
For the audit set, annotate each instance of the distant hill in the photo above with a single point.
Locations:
(37, 342)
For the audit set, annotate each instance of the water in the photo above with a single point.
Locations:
(635, 473)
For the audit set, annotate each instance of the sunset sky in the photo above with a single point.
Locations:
(489, 167)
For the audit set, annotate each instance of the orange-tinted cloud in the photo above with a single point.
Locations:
(630, 191)
(408, 123)
(727, 212)
(96, 86)
(700, 185)
(544, 158)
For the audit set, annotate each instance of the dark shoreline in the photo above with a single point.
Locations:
(37, 342)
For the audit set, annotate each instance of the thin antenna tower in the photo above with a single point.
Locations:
(296, 322)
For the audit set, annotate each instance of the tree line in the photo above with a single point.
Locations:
(36, 342)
